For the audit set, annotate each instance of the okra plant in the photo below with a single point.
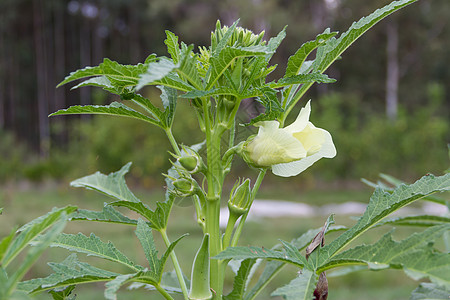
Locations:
(215, 80)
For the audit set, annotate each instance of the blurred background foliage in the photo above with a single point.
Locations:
(403, 60)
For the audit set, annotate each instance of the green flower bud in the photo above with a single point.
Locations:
(239, 202)
(184, 187)
(200, 280)
(190, 163)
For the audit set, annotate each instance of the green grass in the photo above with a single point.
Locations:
(22, 204)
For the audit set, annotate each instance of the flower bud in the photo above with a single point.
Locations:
(239, 198)
(190, 163)
(184, 187)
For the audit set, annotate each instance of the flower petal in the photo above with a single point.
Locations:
(301, 121)
(296, 167)
(273, 145)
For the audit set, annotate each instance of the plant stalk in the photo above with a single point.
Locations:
(176, 265)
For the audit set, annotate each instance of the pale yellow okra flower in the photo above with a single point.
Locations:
(290, 150)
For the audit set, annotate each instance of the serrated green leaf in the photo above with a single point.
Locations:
(65, 294)
(169, 98)
(381, 205)
(257, 252)
(156, 266)
(108, 215)
(332, 49)
(158, 218)
(422, 220)
(274, 42)
(430, 291)
(172, 46)
(155, 72)
(413, 254)
(114, 109)
(112, 185)
(145, 236)
(224, 59)
(301, 78)
(68, 272)
(119, 76)
(93, 246)
(240, 280)
(301, 288)
(35, 252)
(271, 104)
(6, 242)
(114, 285)
(102, 82)
(187, 68)
(272, 268)
(148, 106)
(30, 231)
(174, 81)
(296, 61)
(223, 90)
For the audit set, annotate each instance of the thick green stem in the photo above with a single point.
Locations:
(176, 265)
(238, 231)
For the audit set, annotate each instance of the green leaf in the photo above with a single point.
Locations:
(172, 46)
(188, 67)
(296, 61)
(35, 252)
(102, 82)
(68, 272)
(413, 254)
(272, 268)
(332, 49)
(156, 266)
(301, 78)
(173, 81)
(108, 215)
(224, 59)
(422, 220)
(145, 103)
(30, 231)
(430, 291)
(155, 72)
(169, 98)
(272, 106)
(112, 185)
(240, 280)
(145, 236)
(6, 242)
(65, 294)
(158, 218)
(114, 109)
(382, 204)
(119, 76)
(114, 285)
(256, 252)
(301, 288)
(223, 90)
(93, 246)
(274, 42)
